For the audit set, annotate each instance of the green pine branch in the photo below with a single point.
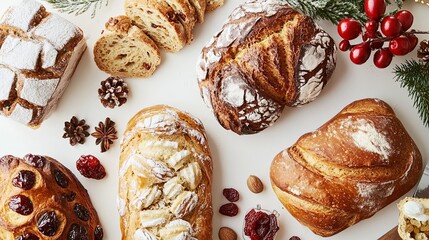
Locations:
(78, 6)
(414, 76)
(334, 10)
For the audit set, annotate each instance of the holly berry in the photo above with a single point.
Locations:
(344, 45)
(375, 9)
(413, 41)
(371, 27)
(391, 26)
(349, 29)
(360, 53)
(383, 58)
(400, 46)
(406, 18)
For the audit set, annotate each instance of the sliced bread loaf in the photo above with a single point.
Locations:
(413, 218)
(186, 14)
(125, 50)
(200, 8)
(213, 4)
(158, 20)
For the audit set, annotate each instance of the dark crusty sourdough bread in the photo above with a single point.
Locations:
(267, 56)
(165, 177)
(39, 52)
(351, 167)
(42, 199)
(124, 50)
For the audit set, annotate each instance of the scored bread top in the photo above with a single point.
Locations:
(56, 203)
(165, 177)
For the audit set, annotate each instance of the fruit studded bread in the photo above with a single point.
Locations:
(200, 9)
(414, 218)
(158, 20)
(351, 167)
(267, 56)
(213, 4)
(42, 199)
(39, 52)
(165, 177)
(125, 50)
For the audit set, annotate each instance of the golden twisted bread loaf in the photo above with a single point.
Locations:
(165, 177)
(267, 56)
(351, 167)
(42, 199)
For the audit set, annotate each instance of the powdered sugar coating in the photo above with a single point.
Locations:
(21, 114)
(19, 53)
(21, 15)
(142, 234)
(57, 30)
(38, 91)
(7, 78)
(49, 55)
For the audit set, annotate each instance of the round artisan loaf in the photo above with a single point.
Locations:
(351, 167)
(42, 199)
(266, 56)
(125, 50)
(165, 177)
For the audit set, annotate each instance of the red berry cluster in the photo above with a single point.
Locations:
(393, 30)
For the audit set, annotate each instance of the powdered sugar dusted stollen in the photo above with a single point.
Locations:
(165, 176)
(266, 56)
(351, 167)
(39, 52)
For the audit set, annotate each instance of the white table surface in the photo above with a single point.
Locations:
(235, 157)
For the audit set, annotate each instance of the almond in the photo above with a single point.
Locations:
(226, 233)
(255, 184)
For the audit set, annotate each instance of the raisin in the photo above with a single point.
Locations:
(90, 167)
(61, 179)
(27, 236)
(68, 197)
(48, 223)
(229, 209)
(35, 160)
(231, 194)
(77, 232)
(294, 238)
(21, 204)
(81, 212)
(24, 179)
(98, 233)
(172, 16)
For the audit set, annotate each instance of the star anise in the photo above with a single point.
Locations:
(113, 92)
(423, 51)
(105, 134)
(76, 130)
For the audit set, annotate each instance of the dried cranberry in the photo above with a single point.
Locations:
(35, 160)
(90, 167)
(21, 204)
(24, 180)
(77, 232)
(231, 194)
(48, 223)
(27, 236)
(229, 209)
(260, 225)
(60, 178)
(294, 238)
(98, 233)
(81, 212)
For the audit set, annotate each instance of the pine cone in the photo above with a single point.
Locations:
(105, 134)
(76, 130)
(423, 52)
(113, 92)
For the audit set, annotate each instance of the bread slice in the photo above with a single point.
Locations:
(186, 14)
(200, 8)
(213, 4)
(158, 20)
(417, 226)
(124, 50)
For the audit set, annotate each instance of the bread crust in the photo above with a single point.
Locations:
(267, 56)
(172, 131)
(351, 167)
(46, 195)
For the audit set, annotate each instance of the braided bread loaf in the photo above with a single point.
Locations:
(42, 199)
(266, 56)
(165, 177)
(357, 163)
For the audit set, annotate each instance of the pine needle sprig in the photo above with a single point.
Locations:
(414, 76)
(78, 6)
